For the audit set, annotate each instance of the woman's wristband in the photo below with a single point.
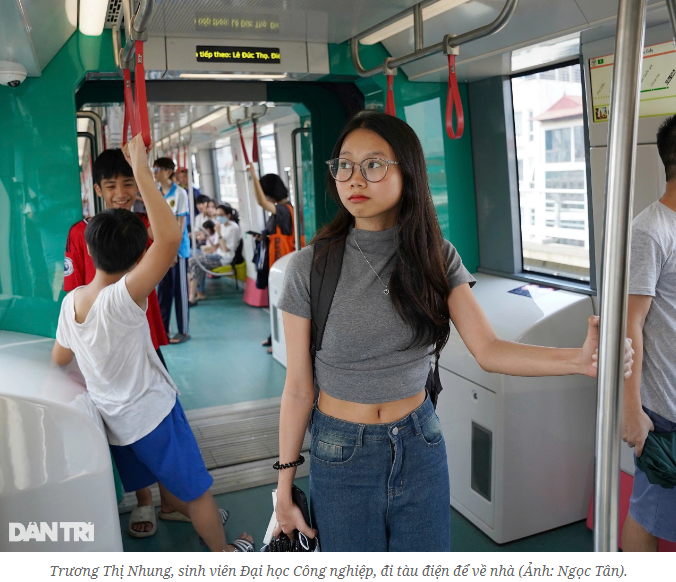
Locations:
(278, 467)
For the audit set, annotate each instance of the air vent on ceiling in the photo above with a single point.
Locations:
(114, 13)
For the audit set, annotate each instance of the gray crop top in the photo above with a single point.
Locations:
(363, 357)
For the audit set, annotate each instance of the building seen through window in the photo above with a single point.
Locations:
(549, 131)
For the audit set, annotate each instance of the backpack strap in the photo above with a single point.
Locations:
(323, 282)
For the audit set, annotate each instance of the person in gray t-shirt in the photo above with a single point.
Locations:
(378, 474)
(650, 394)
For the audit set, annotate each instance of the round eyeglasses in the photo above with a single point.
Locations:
(373, 169)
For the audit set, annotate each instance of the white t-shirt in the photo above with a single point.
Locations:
(652, 272)
(125, 377)
(231, 233)
(200, 219)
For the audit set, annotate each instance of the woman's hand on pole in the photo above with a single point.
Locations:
(589, 355)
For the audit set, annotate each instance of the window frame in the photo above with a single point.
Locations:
(558, 281)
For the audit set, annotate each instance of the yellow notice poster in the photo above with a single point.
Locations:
(658, 85)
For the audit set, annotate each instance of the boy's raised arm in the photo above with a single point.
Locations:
(166, 232)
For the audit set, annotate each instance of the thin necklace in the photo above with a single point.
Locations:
(386, 290)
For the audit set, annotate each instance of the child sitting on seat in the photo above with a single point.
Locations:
(104, 326)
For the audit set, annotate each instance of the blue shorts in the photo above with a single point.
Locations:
(651, 506)
(170, 455)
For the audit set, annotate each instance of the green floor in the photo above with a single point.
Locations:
(250, 512)
(224, 362)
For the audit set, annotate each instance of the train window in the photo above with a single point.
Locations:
(268, 149)
(425, 118)
(552, 172)
(226, 174)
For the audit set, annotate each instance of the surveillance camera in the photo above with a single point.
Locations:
(12, 74)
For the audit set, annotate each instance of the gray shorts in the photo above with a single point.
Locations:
(652, 506)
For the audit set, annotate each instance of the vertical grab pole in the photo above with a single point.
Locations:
(624, 105)
(671, 8)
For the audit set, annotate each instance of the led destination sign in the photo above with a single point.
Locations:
(238, 54)
(235, 22)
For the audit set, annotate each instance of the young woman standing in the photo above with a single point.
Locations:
(378, 473)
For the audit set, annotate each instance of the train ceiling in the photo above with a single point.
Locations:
(32, 31)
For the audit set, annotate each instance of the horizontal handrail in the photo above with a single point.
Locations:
(134, 27)
(447, 46)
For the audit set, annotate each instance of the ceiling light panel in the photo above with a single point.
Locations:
(406, 22)
(233, 76)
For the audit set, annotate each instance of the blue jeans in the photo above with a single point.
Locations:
(380, 487)
(652, 506)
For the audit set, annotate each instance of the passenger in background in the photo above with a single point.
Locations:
(222, 243)
(174, 286)
(378, 468)
(104, 325)
(201, 217)
(273, 196)
(229, 229)
(114, 183)
(181, 178)
(211, 209)
(650, 394)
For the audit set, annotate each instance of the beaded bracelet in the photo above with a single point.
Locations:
(278, 467)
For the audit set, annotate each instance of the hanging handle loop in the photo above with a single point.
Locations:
(128, 104)
(136, 105)
(453, 101)
(141, 105)
(254, 148)
(389, 101)
(241, 139)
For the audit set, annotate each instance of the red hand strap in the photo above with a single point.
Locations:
(136, 107)
(254, 149)
(389, 102)
(128, 104)
(241, 138)
(453, 100)
(141, 105)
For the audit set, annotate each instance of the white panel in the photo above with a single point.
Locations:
(514, 317)
(181, 56)
(461, 403)
(599, 9)
(649, 186)
(315, 20)
(155, 54)
(51, 24)
(54, 458)
(543, 427)
(275, 284)
(318, 58)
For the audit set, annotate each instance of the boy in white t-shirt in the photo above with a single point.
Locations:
(104, 326)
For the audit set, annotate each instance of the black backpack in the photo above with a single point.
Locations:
(323, 282)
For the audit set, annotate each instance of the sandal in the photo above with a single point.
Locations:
(143, 514)
(242, 545)
(179, 338)
(193, 303)
(267, 343)
(225, 514)
(173, 516)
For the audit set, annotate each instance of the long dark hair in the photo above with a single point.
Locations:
(418, 285)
